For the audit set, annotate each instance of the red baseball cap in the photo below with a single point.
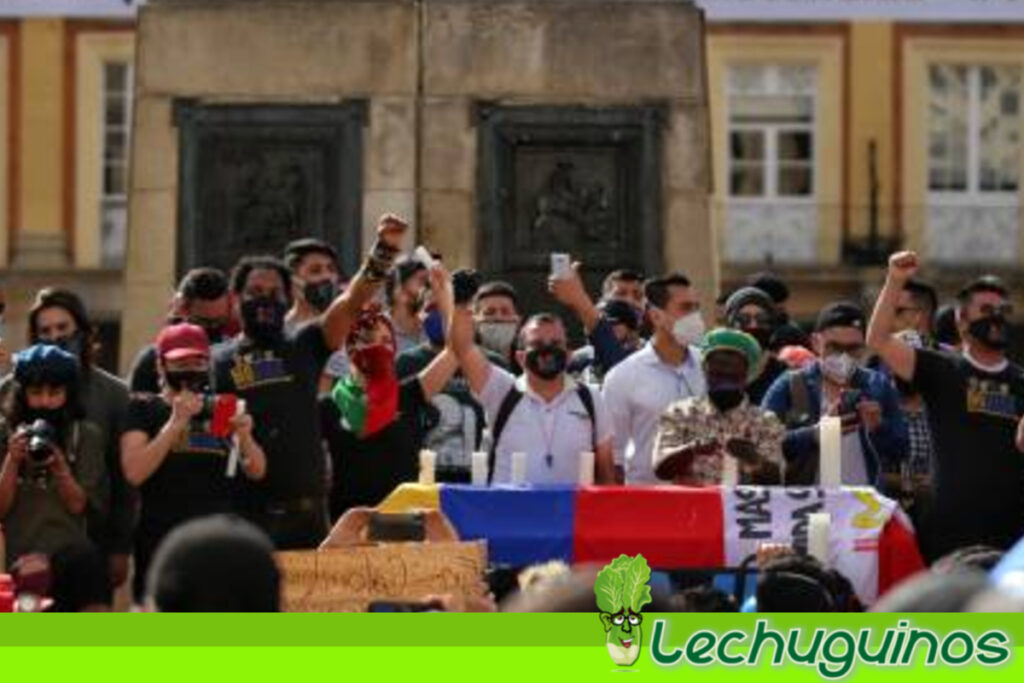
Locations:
(183, 340)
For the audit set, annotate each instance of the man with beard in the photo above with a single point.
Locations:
(278, 376)
(202, 299)
(58, 316)
(975, 401)
(752, 311)
(52, 466)
(698, 435)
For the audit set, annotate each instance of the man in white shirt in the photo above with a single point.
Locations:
(639, 389)
(544, 414)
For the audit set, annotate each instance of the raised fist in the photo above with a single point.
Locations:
(391, 229)
(903, 265)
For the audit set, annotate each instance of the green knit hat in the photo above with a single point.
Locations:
(725, 339)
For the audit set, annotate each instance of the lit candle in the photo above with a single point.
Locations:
(479, 469)
(818, 524)
(586, 474)
(830, 438)
(428, 460)
(518, 469)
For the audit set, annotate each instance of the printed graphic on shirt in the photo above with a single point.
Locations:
(199, 441)
(990, 397)
(254, 369)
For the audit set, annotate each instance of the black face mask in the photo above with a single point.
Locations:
(763, 335)
(73, 343)
(547, 361)
(726, 397)
(53, 416)
(990, 331)
(263, 319)
(214, 334)
(319, 295)
(196, 381)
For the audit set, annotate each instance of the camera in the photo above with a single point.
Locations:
(42, 441)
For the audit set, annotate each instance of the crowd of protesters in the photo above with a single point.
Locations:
(287, 394)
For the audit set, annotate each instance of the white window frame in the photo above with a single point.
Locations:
(973, 195)
(105, 199)
(771, 133)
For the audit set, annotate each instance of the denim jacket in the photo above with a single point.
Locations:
(886, 445)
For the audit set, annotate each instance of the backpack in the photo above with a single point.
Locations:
(509, 403)
(799, 472)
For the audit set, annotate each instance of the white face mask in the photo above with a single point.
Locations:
(839, 367)
(497, 335)
(689, 330)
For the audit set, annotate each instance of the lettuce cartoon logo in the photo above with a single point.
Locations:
(622, 591)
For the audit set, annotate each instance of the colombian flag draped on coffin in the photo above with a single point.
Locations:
(871, 541)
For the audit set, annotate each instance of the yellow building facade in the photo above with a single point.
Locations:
(838, 133)
(65, 108)
(866, 127)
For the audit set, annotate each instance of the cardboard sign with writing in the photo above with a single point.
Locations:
(349, 579)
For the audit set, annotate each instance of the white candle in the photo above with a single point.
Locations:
(818, 524)
(518, 469)
(830, 439)
(428, 460)
(586, 474)
(730, 470)
(236, 450)
(479, 469)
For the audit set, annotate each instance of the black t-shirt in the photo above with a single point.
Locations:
(279, 386)
(367, 470)
(979, 473)
(191, 481)
(143, 377)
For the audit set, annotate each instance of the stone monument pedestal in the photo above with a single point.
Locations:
(504, 129)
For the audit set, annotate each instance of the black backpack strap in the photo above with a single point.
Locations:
(587, 399)
(508, 404)
(799, 399)
(805, 472)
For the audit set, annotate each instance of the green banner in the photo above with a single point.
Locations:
(509, 646)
